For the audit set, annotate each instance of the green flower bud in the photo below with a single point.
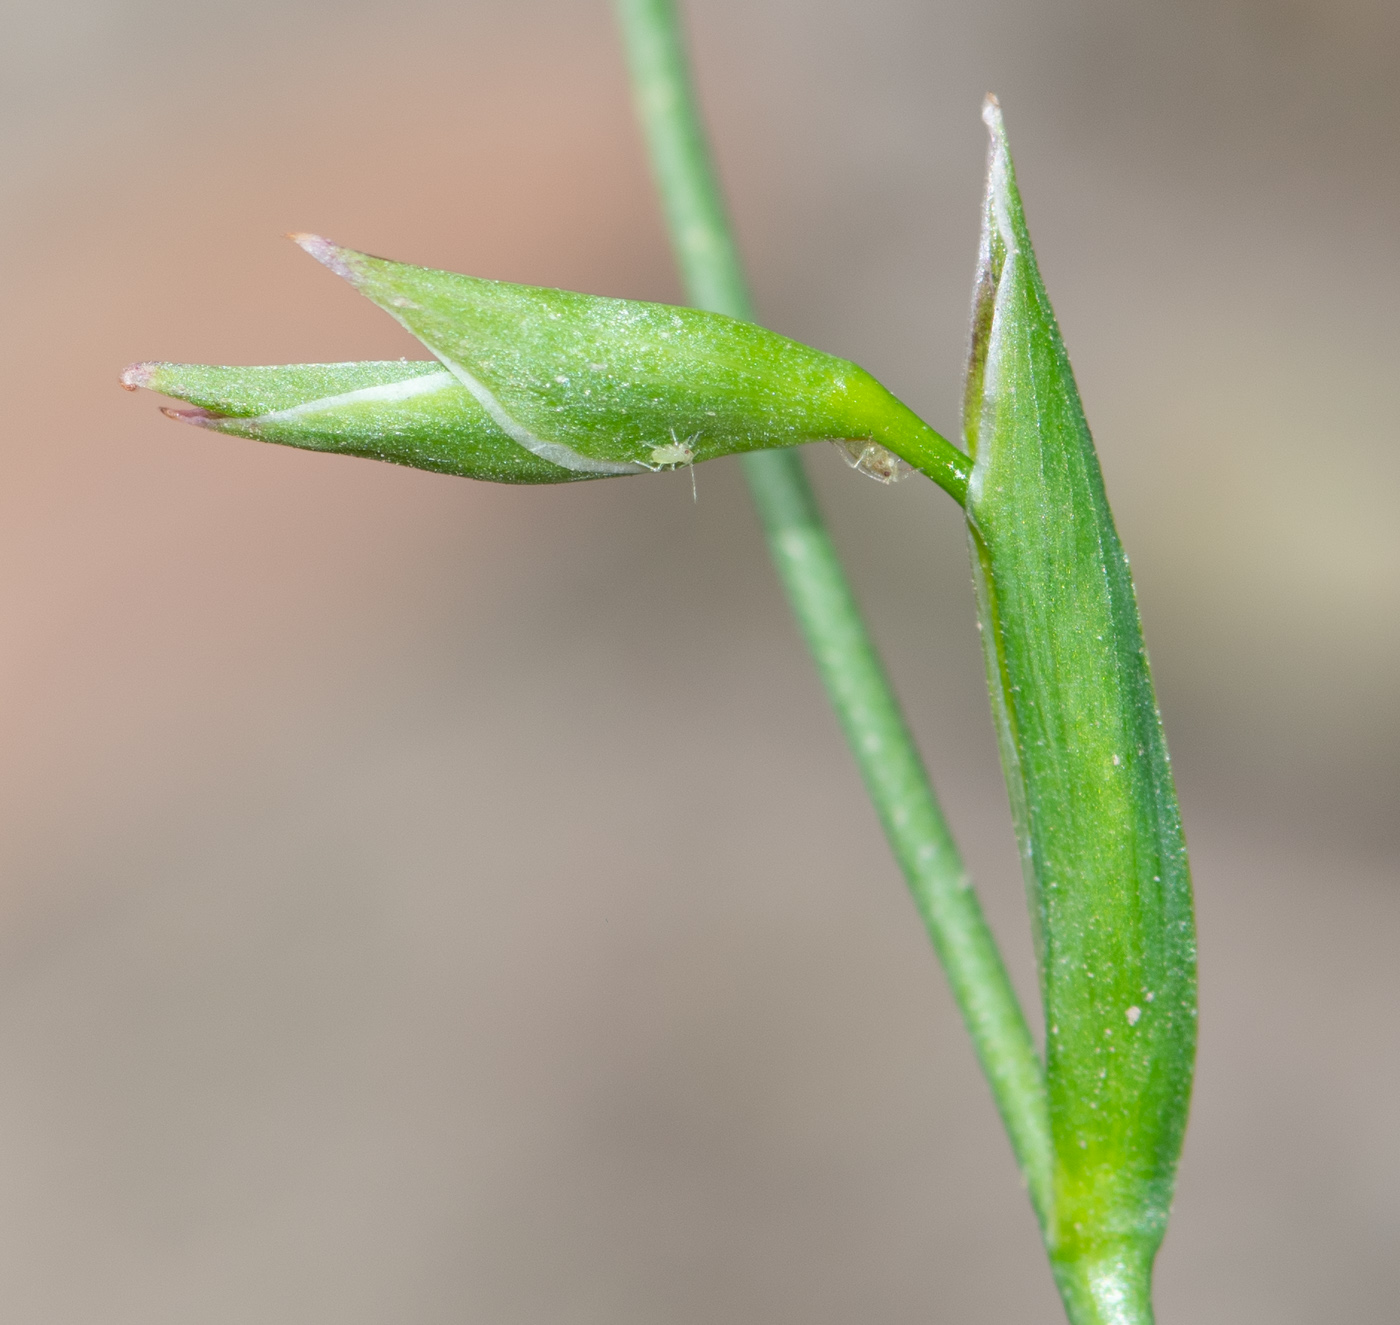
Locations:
(1090, 785)
(534, 385)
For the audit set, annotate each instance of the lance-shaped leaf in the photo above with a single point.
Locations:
(539, 385)
(1090, 786)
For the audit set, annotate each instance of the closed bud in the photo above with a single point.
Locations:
(533, 385)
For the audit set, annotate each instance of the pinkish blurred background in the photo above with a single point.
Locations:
(431, 902)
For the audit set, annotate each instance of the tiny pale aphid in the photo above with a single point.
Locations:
(675, 454)
(873, 460)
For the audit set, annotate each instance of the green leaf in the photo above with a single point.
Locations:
(538, 385)
(1087, 770)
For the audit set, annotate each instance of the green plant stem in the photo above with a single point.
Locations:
(825, 607)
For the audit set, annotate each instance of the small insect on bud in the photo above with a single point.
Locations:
(874, 461)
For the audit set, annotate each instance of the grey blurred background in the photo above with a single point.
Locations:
(430, 902)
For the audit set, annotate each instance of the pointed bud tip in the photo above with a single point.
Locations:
(327, 254)
(201, 418)
(138, 375)
(991, 114)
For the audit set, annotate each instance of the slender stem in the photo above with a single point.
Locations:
(909, 812)
(825, 607)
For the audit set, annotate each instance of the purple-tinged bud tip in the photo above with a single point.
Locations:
(326, 253)
(201, 418)
(138, 375)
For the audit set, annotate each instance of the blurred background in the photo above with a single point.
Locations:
(427, 901)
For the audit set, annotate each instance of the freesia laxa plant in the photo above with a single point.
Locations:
(530, 385)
